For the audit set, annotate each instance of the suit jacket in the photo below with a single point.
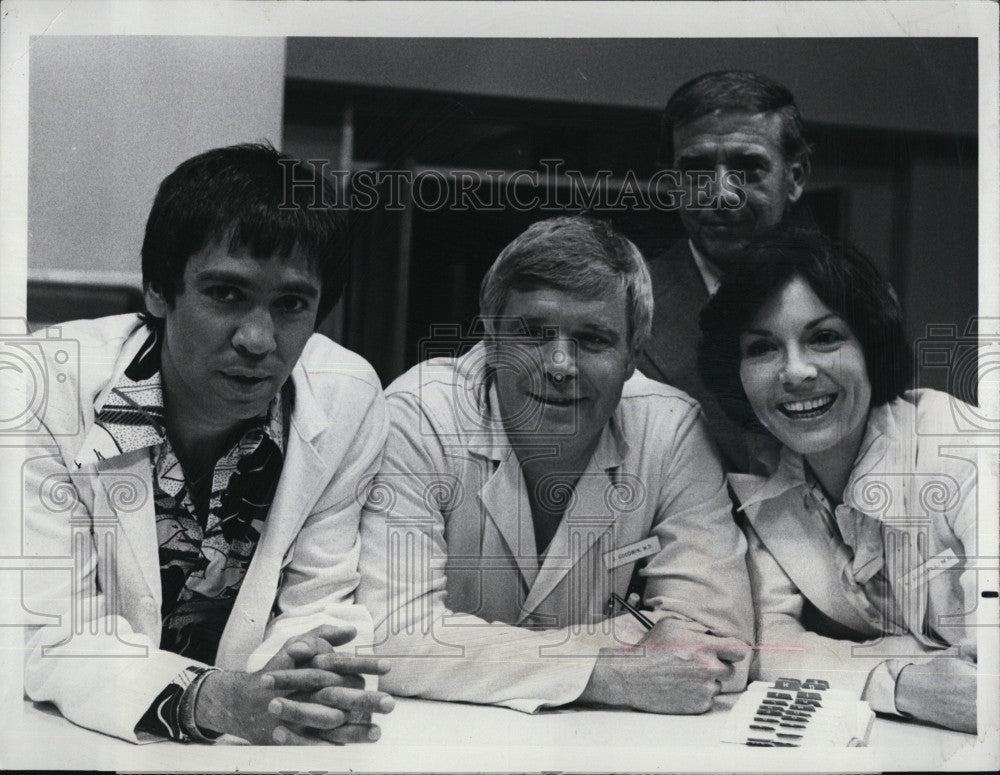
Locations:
(671, 354)
(98, 658)
(918, 497)
(449, 566)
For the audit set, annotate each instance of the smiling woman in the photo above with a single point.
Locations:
(805, 338)
(803, 371)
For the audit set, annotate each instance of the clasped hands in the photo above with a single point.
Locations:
(306, 694)
(673, 669)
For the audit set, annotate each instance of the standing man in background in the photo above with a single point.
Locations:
(744, 134)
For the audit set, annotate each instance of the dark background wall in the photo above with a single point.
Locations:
(894, 122)
(895, 170)
(918, 84)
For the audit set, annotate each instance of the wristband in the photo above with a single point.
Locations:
(185, 713)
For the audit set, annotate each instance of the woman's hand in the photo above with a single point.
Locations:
(942, 691)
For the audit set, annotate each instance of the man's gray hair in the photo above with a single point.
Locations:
(578, 255)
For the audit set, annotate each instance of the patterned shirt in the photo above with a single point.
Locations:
(204, 554)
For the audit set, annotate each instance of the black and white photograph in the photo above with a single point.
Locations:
(499, 387)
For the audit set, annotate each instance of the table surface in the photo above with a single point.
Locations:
(421, 735)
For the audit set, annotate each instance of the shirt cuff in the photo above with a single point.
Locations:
(880, 691)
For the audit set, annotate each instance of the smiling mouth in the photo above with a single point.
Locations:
(808, 409)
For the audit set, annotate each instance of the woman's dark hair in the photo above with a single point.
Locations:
(844, 280)
(253, 200)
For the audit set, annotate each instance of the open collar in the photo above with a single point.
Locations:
(886, 449)
(491, 440)
(129, 414)
(752, 490)
(710, 274)
(886, 460)
(505, 499)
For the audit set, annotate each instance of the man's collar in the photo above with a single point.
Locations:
(130, 416)
(710, 274)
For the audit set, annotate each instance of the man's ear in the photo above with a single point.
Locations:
(798, 174)
(633, 358)
(155, 303)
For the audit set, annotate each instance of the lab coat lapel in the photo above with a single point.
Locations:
(505, 500)
(803, 553)
(122, 484)
(581, 527)
(884, 486)
(589, 519)
(806, 558)
(508, 530)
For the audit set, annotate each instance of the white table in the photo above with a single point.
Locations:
(441, 737)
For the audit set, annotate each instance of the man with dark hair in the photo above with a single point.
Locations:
(211, 451)
(534, 482)
(738, 139)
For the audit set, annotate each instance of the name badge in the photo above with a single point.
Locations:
(931, 567)
(632, 552)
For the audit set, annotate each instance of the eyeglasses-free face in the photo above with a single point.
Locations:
(730, 146)
(803, 371)
(561, 362)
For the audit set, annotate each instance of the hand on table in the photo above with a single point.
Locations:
(942, 691)
(672, 670)
(674, 635)
(306, 694)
